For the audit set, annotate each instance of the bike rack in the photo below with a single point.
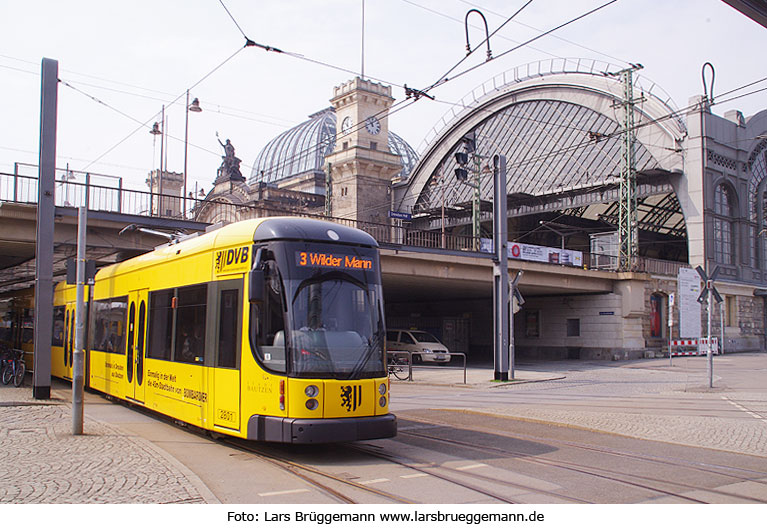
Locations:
(398, 354)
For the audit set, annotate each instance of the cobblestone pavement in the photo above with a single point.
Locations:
(42, 462)
(646, 399)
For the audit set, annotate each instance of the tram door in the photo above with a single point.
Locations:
(136, 348)
(226, 384)
(69, 339)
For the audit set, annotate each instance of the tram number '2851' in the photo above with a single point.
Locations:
(224, 414)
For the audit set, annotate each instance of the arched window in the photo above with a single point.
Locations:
(723, 226)
(757, 200)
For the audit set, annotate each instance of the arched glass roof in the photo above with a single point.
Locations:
(302, 150)
(550, 146)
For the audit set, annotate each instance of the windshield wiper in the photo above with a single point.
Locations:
(371, 349)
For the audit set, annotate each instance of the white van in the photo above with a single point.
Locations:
(423, 345)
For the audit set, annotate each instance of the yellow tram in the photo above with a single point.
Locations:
(269, 329)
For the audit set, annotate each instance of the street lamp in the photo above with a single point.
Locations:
(157, 129)
(194, 107)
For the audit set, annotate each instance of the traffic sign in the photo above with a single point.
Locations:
(400, 215)
(517, 299)
(709, 283)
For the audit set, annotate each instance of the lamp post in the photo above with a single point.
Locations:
(194, 107)
(157, 129)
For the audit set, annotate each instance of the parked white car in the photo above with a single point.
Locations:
(423, 345)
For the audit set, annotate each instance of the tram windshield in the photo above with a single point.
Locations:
(334, 315)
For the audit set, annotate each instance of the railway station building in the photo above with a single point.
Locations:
(570, 132)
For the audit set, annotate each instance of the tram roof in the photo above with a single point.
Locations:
(245, 232)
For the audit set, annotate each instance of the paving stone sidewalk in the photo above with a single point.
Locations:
(587, 394)
(42, 462)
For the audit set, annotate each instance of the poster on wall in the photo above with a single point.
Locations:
(688, 284)
(537, 253)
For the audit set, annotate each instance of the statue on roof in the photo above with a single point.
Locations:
(230, 165)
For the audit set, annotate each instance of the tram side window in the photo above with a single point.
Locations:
(109, 324)
(160, 324)
(190, 324)
(228, 327)
(58, 326)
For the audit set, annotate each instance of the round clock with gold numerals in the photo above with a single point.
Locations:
(373, 125)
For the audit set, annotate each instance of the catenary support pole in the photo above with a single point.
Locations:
(46, 206)
(78, 365)
(710, 356)
(500, 271)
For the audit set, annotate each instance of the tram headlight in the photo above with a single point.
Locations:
(382, 389)
(311, 391)
(312, 404)
(382, 401)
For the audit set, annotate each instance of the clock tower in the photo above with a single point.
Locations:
(362, 166)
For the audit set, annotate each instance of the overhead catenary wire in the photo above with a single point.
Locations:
(235, 22)
(441, 80)
(486, 40)
(574, 147)
(250, 43)
(160, 96)
(563, 39)
(146, 123)
(543, 156)
(523, 44)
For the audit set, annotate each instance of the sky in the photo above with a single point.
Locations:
(120, 62)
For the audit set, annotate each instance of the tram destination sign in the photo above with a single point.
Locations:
(333, 260)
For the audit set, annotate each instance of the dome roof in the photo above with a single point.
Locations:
(302, 150)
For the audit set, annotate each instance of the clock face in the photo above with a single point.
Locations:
(373, 125)
(346, 125)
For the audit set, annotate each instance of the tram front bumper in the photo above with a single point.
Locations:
(314, 431)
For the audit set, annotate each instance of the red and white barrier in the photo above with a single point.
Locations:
(685, 343)
(700, 345)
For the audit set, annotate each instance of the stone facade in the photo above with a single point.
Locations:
(362, 167)
(170, 187)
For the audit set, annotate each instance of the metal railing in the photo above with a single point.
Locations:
(396, 357)
(15, 188)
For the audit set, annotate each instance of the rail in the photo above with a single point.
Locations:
(115, 198)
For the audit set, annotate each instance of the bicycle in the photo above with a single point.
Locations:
(14, 367)
(396, 368)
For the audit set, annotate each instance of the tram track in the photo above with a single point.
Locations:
(709, 468)
(303, 472)
(442, 473)
(625, 478)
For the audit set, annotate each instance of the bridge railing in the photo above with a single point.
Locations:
(17, 188)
